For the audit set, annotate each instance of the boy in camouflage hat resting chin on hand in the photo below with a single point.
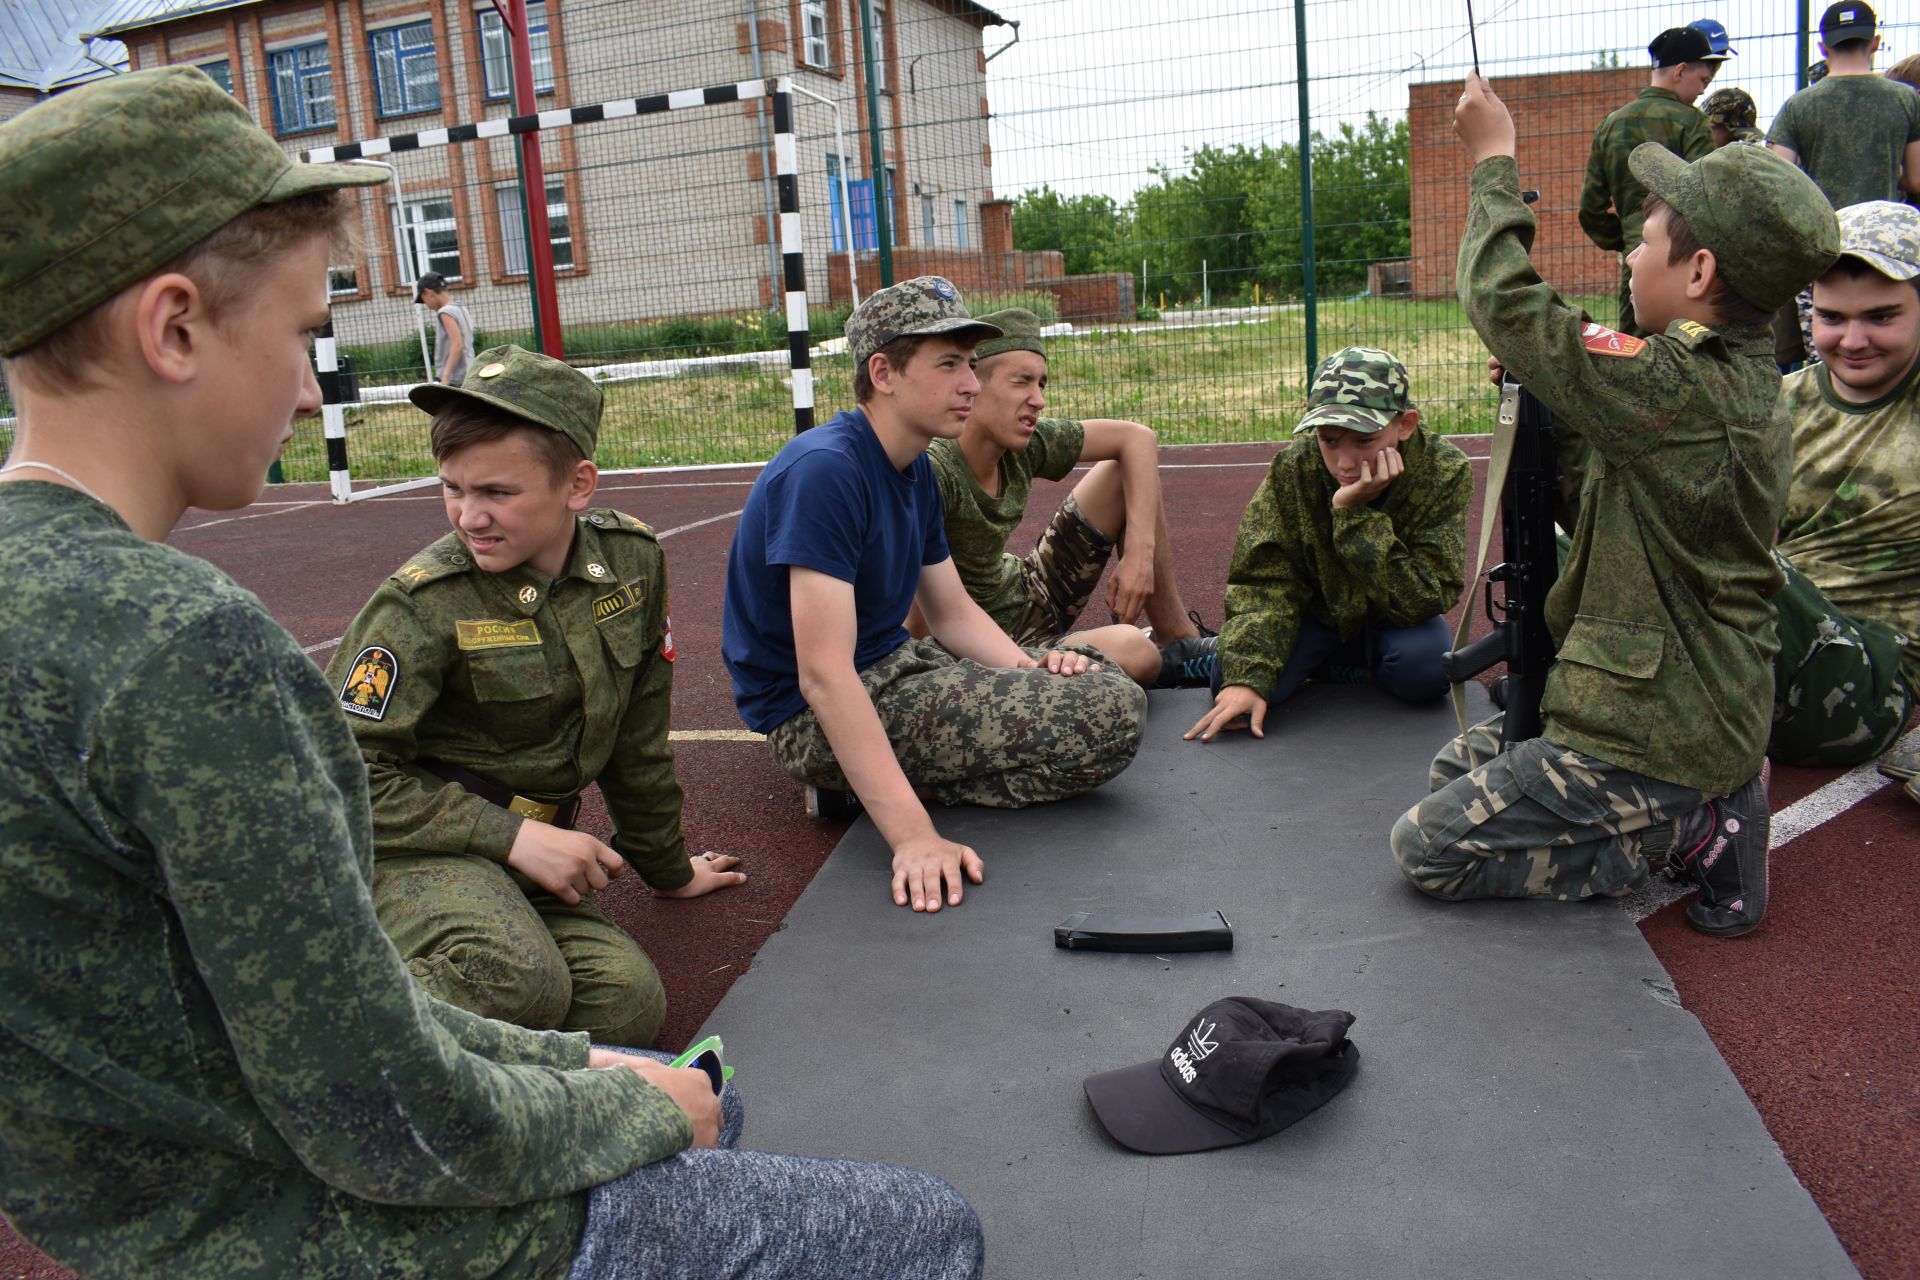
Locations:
(489, 681)
(1658, 706)
(216, 1065)
(1349, 554)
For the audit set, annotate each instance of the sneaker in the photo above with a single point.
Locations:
(1187, 663)
(1193, 616)
(1342, 673)
(826, 804)
(1730, 865)
(1901, 764)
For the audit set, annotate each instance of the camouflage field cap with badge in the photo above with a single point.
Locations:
(920, 307)
(1883, 234)
(1019, 331)
(1768, 226)
(1358, 389)
(545, 392)
(102, 186)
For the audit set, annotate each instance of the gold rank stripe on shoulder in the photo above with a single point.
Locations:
(619, 600)
(486, 633)
(1694, 329)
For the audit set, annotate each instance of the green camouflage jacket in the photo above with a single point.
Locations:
(541, 686)
(1665, 633)
(978, 525)
(216, 1066)
(1397, 561)
(1610, 200)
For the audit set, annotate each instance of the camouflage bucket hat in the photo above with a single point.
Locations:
(1884, 235)
(1359, 389)
(546, 392)
(1730, 109)
(918, 307)
(1770, 230)
(104, 185)
(1019, 331)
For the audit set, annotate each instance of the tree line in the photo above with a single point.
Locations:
(1237, 209)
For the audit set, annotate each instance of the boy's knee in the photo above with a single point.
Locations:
(527, 986)
(1410, 663)
(949, 1230)
(1415, 857)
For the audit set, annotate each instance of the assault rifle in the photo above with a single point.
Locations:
(1520, 637)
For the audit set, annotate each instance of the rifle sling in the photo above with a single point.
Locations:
(1505, 424)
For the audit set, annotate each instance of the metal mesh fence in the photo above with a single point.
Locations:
(1129, 169)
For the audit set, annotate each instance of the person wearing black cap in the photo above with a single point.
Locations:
(452, 329)
(1855, 133)
(1684, 65)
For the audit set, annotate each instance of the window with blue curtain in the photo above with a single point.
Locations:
(302, 79)
(406, 75)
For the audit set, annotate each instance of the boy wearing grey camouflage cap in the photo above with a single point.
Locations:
(489, 681)
(1349, 555)
(1657, 709)
(216, 1064)
(1850, 540)
(839, 538)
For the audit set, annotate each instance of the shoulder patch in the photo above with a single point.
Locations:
(369, 683)
(1603, 341)
(430, 565)
(605, 518)
(1694, 332)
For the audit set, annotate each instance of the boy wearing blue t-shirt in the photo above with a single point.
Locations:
(840, 536)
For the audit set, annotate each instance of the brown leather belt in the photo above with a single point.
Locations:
(560, 815)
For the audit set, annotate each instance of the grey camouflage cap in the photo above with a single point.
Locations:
(1359, 389)
(1883, 234)
(545, 392)
(1019, 331)
(1771, 231)
(919, 307)
(1730, 109)
(104, 185)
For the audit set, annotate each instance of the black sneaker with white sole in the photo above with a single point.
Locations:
(1730, 865)
(1187, 663)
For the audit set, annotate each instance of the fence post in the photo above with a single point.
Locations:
(1803, 29)
(877, 160)
(1306, 186)
(533, 185)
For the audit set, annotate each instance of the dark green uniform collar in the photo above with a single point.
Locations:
(1823, 378)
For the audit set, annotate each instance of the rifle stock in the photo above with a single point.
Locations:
(1520, 637)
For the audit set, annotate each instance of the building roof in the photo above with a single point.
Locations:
(131, 15)
(41, 46)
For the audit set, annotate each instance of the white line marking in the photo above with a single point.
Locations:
(716, 735)
(256, 515)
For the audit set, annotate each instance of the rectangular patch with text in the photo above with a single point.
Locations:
(489, 634)
(1603, 341)
(619, 600)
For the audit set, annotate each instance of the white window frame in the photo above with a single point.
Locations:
(959, 224)
(814, 49)
(506, 199)
(415, 224)
(928, 227)
(343, 280)
(496, 57)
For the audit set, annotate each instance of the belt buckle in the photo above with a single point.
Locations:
(533, 809)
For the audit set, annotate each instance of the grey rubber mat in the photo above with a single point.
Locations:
(1532, 1100)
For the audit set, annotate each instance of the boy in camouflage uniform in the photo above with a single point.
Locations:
(840, 536)
(501, 671)
(1612, 199)
(985, 478)
(1349, 553)
(216, 1066)
(1850, 540)
(1656, 709)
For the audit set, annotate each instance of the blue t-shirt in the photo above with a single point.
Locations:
(831, 501)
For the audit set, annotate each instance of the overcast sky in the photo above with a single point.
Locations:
(1095, 91)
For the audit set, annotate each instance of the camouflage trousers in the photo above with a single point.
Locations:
(1538, 821)
(971, 734)
(477, 935)
(1839, 697)
(1060, 573)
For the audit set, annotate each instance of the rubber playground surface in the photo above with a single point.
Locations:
(1815, 1013)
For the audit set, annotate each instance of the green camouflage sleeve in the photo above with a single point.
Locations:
(1413, 562)
(507, 1044)
(1266, 592)
(1060, 442)
(1619, 392)
(1597, 217)
(220, 753)
(411, 815)
(643, 794)
(1696, 140)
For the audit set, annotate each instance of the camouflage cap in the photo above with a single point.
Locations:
(1359, 389)
(1883, 234)
(104, 185)
(1730, 109)
(546, 392)
(918, 307)
(1019, 331)
(1770, 230)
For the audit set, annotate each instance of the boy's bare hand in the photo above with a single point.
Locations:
(923, 865)
(710, 871)
(1235, 707)
(1375, 476)
(1482, 121)
(1130, 587)
(1065, 662)
(1496, 372)
(690, 1088)
(567, 864)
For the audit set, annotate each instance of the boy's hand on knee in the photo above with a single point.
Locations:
(567, 864)
(1482, 121)
(1235, 707)
(923, 866)
(1065, 662)
(710, 871)
(689, 1087)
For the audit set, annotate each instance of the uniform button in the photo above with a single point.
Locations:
(457, 559)
(598, 519)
